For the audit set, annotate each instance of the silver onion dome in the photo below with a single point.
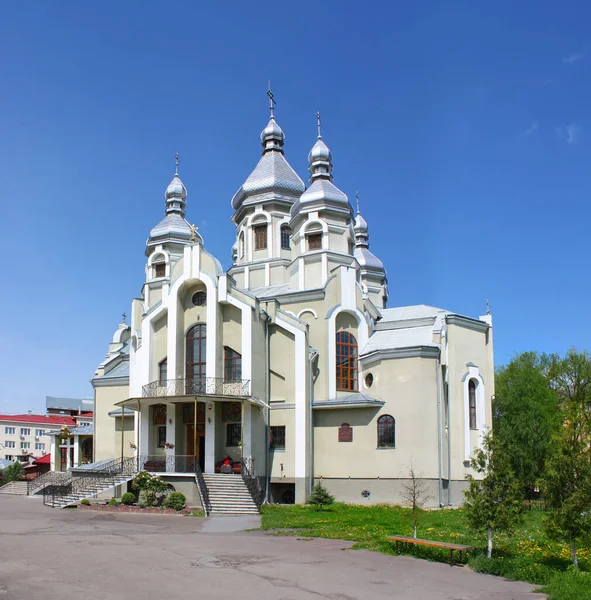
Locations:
(176, 189)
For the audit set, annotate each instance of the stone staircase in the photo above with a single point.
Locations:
(86, 487)
(228, 495)
(15, 487)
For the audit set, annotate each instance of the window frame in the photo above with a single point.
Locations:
(25, 431)
(241, 245)
(159, 269)
(9, 444)
(347, 362)
(196, 363)
(161, 436)
(386, 421)
(277, 435)
(314, 241)
(25, 445)
(472, 411)
(39, 432)
(163, 370)
(232, 365)
(40, 446)
(10, 431)
(233, 435)
(260, 236)
(285, 234)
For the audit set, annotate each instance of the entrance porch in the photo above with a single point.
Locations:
(180, 432)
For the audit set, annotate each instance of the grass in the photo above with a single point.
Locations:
(525, 555)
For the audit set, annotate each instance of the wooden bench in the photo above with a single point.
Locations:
(445, 545)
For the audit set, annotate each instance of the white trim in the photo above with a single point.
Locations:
(362, 336)
(300, 398)
(306, 310)
(473, 373)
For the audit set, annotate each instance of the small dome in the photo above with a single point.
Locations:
(360, 224)
(319, 152)
(176, 189)
(272, 131)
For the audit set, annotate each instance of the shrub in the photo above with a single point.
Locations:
(85, 502)
(151, 487)
(319, 498)
(569, 586)
(141, 505)
(128, 498)
(173, 499)
(13, 472)
(113, 502)
(179, 507)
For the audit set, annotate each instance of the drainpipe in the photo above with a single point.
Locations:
(439, 433)
(268, 408)
(448, 443)
(313, 357)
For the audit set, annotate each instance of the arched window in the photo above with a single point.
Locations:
(241, 245)
(285, 237)
(196, 359)
(232, 364)
(386, 432)
(346, 361)
(472, 402)
(163, 372)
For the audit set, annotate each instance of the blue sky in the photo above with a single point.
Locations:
(465, 127)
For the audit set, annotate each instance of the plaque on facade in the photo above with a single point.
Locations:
(345, 433)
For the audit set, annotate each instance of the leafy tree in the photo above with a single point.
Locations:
(13, 472)
(567, 483)
(495, 502)
(416, 493)
(525, 414)
(571, 378)
(319, 498)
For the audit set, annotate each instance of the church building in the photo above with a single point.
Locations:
(289, 368)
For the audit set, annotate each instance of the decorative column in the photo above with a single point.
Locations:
(171, 437)
(210, 415)
(52, 447)
(76, 451)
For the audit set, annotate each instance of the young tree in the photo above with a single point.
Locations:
(13, 472)
(567, 483)
(319, 498)
(495, 502)
(416, 493)
(525, 415)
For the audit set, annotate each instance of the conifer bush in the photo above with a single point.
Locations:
(319, 498)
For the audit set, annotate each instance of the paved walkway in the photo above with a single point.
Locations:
(52, 554)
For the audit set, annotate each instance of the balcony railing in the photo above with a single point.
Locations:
(198, 386)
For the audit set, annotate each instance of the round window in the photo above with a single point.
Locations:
(369, 380)
(199, 298)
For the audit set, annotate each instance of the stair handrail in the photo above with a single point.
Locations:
(202, 488)
(101, 475)
(34, 485)
(251, 480)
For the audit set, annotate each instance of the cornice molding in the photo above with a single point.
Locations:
(394, 353)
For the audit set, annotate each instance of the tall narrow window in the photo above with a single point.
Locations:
(196, 359)
(260, 237)
(472, 402)
(315, 241)
(346, 362)
(232, 364)
(285, 237)
(386, 432)
(160, 270)
(241, 245)
(163, 372)
(277, 440)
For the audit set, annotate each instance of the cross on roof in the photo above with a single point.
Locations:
(177, 161)
(272, 101)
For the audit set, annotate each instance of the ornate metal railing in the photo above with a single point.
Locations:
(202, 487)
(103, 475)
(251, 480)
(197, 386)
(167, 463)
(51, 477)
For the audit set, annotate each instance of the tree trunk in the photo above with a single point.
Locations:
(489, 553)
(574, 552)
(415, 528)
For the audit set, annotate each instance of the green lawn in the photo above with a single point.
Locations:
(526, 555)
